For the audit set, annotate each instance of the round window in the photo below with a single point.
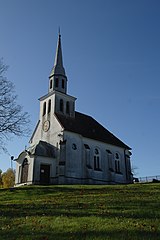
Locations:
(117, 156)
(96, 151)
(74, 146)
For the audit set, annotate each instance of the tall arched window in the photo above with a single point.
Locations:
(117, 163)
(24, 173)
(49, 106)
(67, 107)
(97, 164)
(61, 105)
(44, 108)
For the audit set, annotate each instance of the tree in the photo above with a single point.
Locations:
(8, 178)
(13, 121)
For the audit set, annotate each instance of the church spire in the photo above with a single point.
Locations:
(58, 79)
(58, 63)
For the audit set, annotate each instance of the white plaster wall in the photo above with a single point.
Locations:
(76, 162)
(105, 174)
(73, 167)
(52, 135)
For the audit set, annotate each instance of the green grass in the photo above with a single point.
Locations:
(81, 212)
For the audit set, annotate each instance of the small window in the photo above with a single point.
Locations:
(67, 108)
(61, 105)
(56, 82)
(63, 83)
(49, 106)
(51, 84)
(44, 108)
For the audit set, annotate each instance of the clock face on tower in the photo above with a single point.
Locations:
(46, 126)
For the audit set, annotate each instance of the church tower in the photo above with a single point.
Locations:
(57, 100)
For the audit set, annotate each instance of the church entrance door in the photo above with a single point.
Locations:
(44, 174)
(24, 174)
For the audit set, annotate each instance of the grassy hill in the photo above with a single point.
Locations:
(80, 212)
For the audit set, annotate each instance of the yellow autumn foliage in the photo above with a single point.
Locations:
(8, 178)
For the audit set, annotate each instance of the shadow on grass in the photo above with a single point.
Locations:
(52, 208)
(84, 233)
(77, 202)
(83, 201)
(122, 189)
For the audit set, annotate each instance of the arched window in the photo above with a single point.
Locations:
(51, 83)
(24, 173)
(117, 163)
(67, 107)
(97, 160)
(44, 108)
(61, 105)
(49, 106)
(63, 83)
(56, 82)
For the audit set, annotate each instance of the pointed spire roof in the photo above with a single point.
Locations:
(58, 68)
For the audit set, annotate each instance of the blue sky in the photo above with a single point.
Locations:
(111, 54)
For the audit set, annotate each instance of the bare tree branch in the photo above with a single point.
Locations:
(13, 121)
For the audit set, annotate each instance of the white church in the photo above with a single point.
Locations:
(69, 147)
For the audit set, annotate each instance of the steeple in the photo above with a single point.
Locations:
(58, 63)
(58, 79)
